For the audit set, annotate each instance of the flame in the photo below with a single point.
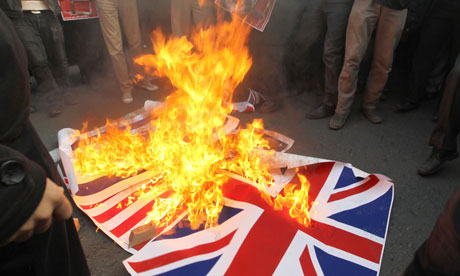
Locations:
(188, 148)
(296, 200)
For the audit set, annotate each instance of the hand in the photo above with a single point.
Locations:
(53, 206)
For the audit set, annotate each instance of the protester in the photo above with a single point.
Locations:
(387, 18)
(85, 47)
(444, 136)
(337, 13)
(188, 13)
(109, 12)
(37, 237)
(441, 27)
(37, 25)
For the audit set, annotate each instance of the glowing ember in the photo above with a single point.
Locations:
(189, 148)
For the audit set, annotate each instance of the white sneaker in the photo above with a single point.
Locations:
(147, 85)
(127, 97)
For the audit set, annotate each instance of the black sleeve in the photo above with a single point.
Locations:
(22, 184)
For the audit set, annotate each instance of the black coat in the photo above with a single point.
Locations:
(24, 166)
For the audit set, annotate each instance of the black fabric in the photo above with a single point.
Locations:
(27, 193)
(57, 251)
(13, 8)
(441, 29)
(13, 82)
(394, 4)
(43, 39)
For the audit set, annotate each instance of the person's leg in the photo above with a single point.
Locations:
(444, 136)
(433, 34)
(53, 40)
(130, 20)
(181, 17)
(361, 24)
(108, 18)
(28, 31)
(337, 15)
(388, 33)
(204, 15)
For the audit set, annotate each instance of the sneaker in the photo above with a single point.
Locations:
(372, 115)
(434, 163)
(338, 121)
(147, 85)
(322, 111)
(127, 97)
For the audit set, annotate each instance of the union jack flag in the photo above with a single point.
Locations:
(349, 216)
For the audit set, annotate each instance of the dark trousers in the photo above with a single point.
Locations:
(447, 127)
(441, 26)
(440, 253)
(58, 250)
(43, 40)
(337, 14)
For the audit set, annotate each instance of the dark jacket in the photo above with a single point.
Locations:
(13, 8)
(394, 4)
(24, 165)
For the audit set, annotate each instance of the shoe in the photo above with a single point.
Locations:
(338, 120)
(147, 85)
(127, 97)
(54, 110)
(406, 106)
(322, 111)
(70, 99)
(372, 115)
(434, 163)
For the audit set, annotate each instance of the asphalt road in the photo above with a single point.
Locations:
(394, 148)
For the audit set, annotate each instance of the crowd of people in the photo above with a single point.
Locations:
(37, 235)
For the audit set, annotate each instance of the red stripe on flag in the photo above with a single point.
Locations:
(134, 219)
(306, 263)
(115, 210)
(263, 247)
(317, 175)
(175, 256)
(373, 180)
(346, 241)
(273, 224)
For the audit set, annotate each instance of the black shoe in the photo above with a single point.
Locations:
(406, 106)
(434, 163)
(372, 115)
(322, 111)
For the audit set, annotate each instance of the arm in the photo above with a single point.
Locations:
(28, 200)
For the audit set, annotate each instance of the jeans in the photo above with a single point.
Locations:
(43, 40)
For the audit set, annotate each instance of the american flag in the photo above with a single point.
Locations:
(112, 203)
(347, 235)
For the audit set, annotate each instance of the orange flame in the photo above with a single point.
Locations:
(296, 201)
(189, 147)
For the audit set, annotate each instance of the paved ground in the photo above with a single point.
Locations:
(394, 148)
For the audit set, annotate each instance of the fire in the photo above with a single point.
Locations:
(188, 147)
(296, 201)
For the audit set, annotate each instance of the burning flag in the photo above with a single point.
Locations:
(184, 163)
(347, 234)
